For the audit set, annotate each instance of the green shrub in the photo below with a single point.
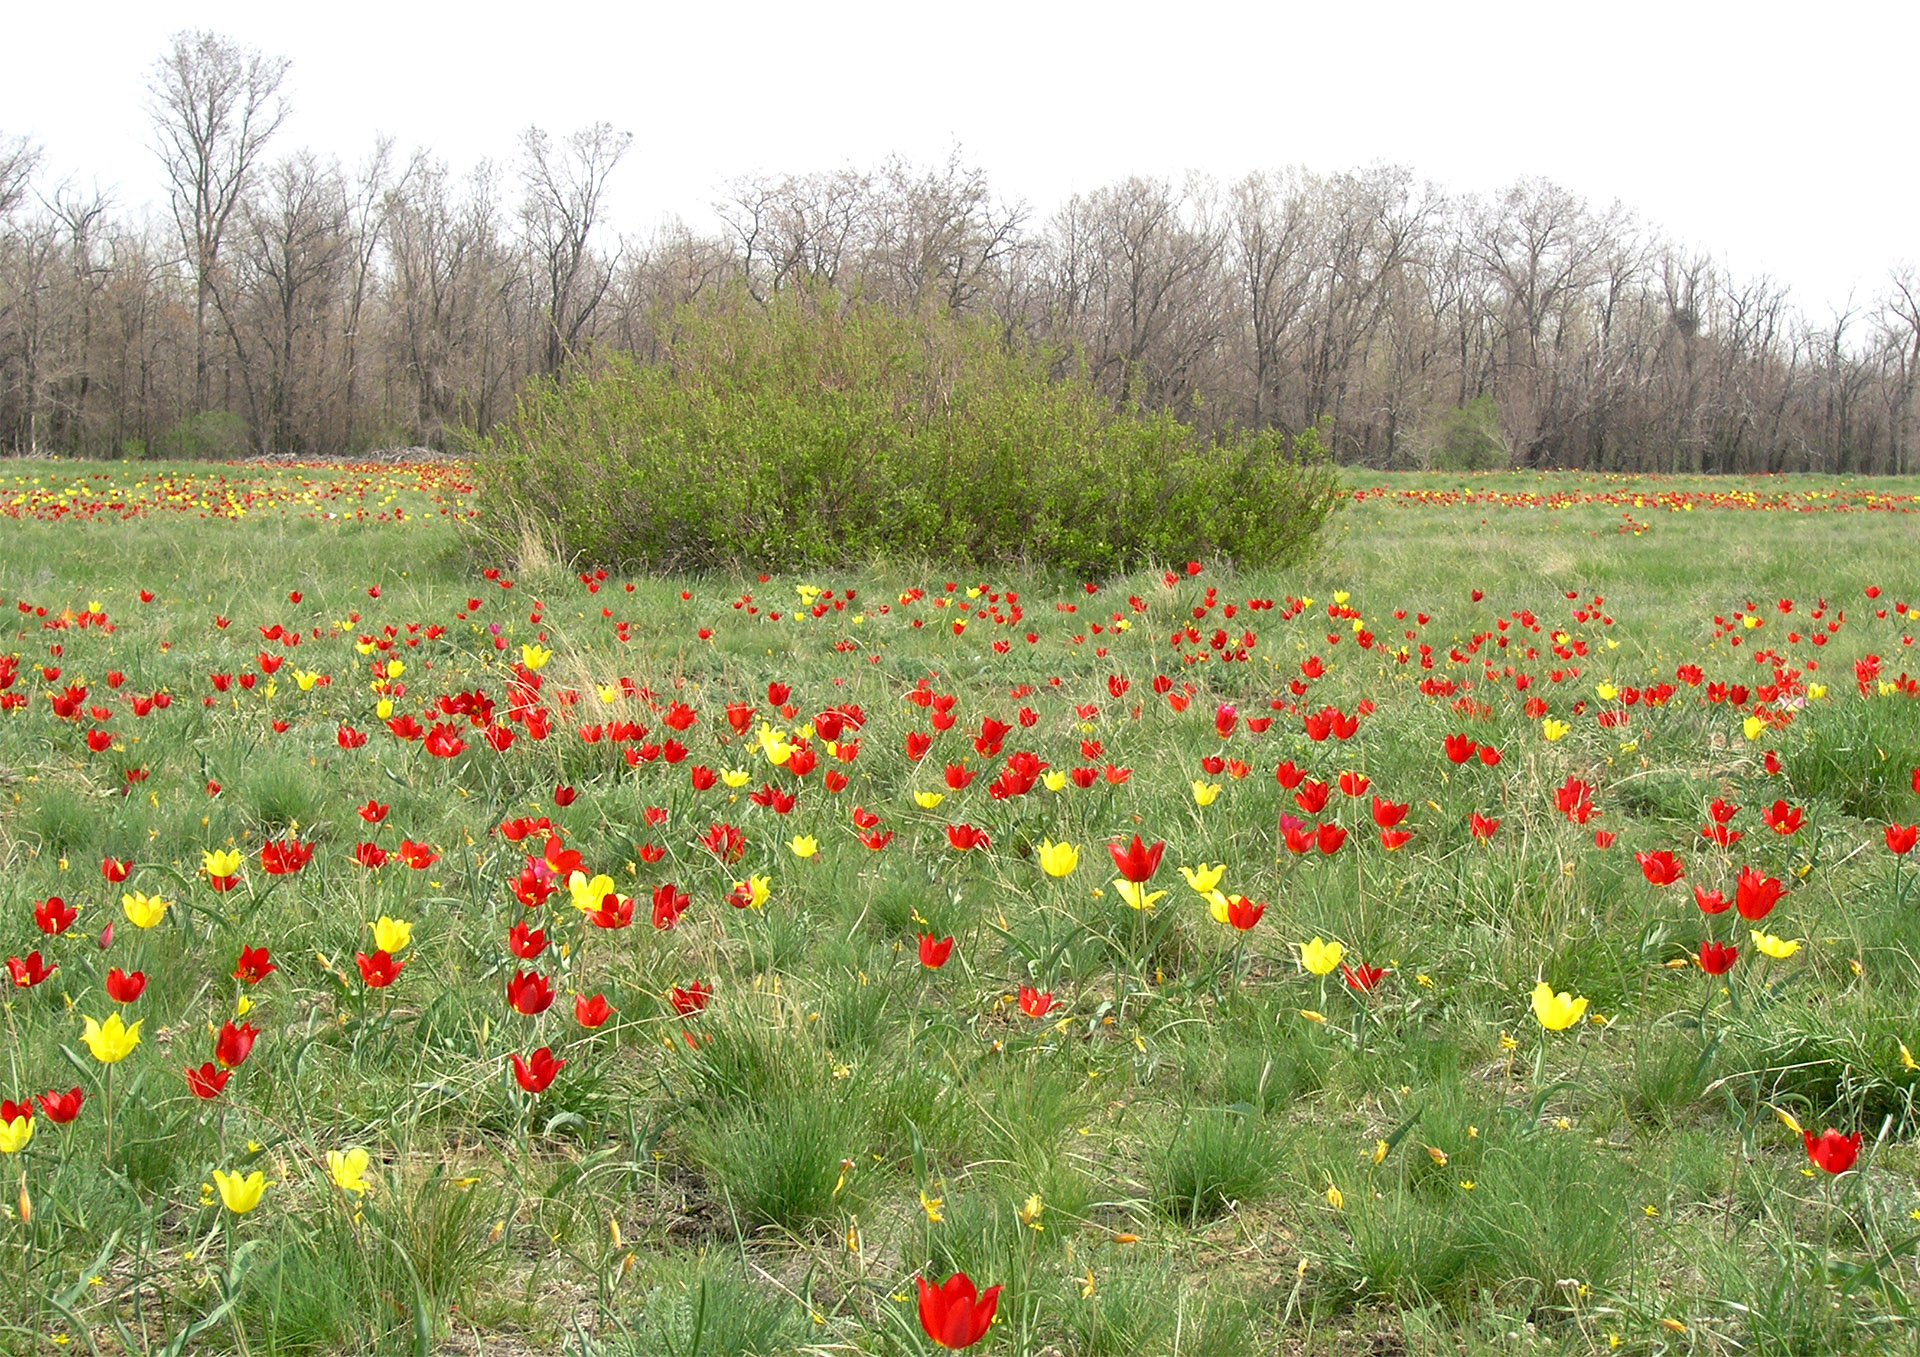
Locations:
(213, 436)
(816, 431)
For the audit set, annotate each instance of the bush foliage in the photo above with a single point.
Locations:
(820, 431)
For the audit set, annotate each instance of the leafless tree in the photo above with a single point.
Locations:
(564, 187)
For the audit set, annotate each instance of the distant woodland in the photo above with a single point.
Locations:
(281, 300)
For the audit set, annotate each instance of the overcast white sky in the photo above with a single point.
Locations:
(1782, 139)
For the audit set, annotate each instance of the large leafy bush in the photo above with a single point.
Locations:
(816, 430)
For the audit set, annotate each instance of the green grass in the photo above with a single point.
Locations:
(1153, 1165)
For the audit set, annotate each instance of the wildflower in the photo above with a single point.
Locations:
(379, 970)
(255, 965)
(1058, 859)
(955, 1315)
(111, 1041)
(1320, 958)
(61, 1108)
(1556, 1012)
(1204, 879)
(529, 993)
(123, 988)
(1717, 958)
(1205, 793)
(143, 911)
(207, 1081)
(591, 1013)
(1137, 895)
(804, 846)
(392, 935)
(349, 1170)
(1777, 948)
(240, 1194)
(1243, 913)
(1137, 863)
(1035, 1004)
(16, 1126)
(934, 954)
(933, 1206)
(235, 1044)
(1832, 1151)
(536, 1077)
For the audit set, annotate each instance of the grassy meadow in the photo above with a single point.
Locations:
(1447, 757)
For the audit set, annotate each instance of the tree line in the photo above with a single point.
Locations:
(286, 302)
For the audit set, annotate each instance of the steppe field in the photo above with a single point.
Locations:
(1501, 933)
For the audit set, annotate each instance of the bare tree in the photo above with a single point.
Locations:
(214, 106)
(564, 186)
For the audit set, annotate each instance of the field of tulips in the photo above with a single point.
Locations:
(1499, 934)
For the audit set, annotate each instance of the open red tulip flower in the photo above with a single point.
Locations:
(1137, 862)
(1832, 1151)
(955, 1315)
(537, 1075)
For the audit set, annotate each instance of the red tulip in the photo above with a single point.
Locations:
(374, 812)
(235, 1044)
(529, 993)
(53, 916)
(1035, 1004)
(1362, 978)
(592, 1013)
(1137, 863)
(207, 1081)
(1756, 894)
(1243, 913)
(526, 942)
(61, 1108)
(1832, 1151)
(1661, 868)
(124, 988)
(1710, 902)
(1482, 828)
(380, 969)
(31, 971)
(933, 955)
(284, 857)
(255, 965)
(1717, 958)
(538, 1076)
(116, 870)
(691, 1000)
(1901, 839)
(955, 1316)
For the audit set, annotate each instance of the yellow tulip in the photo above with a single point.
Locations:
(306, 679)
(1055, 781)
(15, 1134)
(222, 862)
(1777, 948)
(804, 846)
(589, 894)
(1219, 904)
(1556, 1012)
(1137, 895)
(1753, 727)
(1319, 957)
(349, 1170)
(736, 778)
(111, 1041)
(1606, 692)
(1058, 859)
(1205, 793)
(384, 709)
(143, 911)
(535, 657)
(240, 1194)
(774, 745)
(928, 800)
(392, 936)
(1554, 730)
(1204, 879)
(758, 888)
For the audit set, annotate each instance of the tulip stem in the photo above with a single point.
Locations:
(106, 1099)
